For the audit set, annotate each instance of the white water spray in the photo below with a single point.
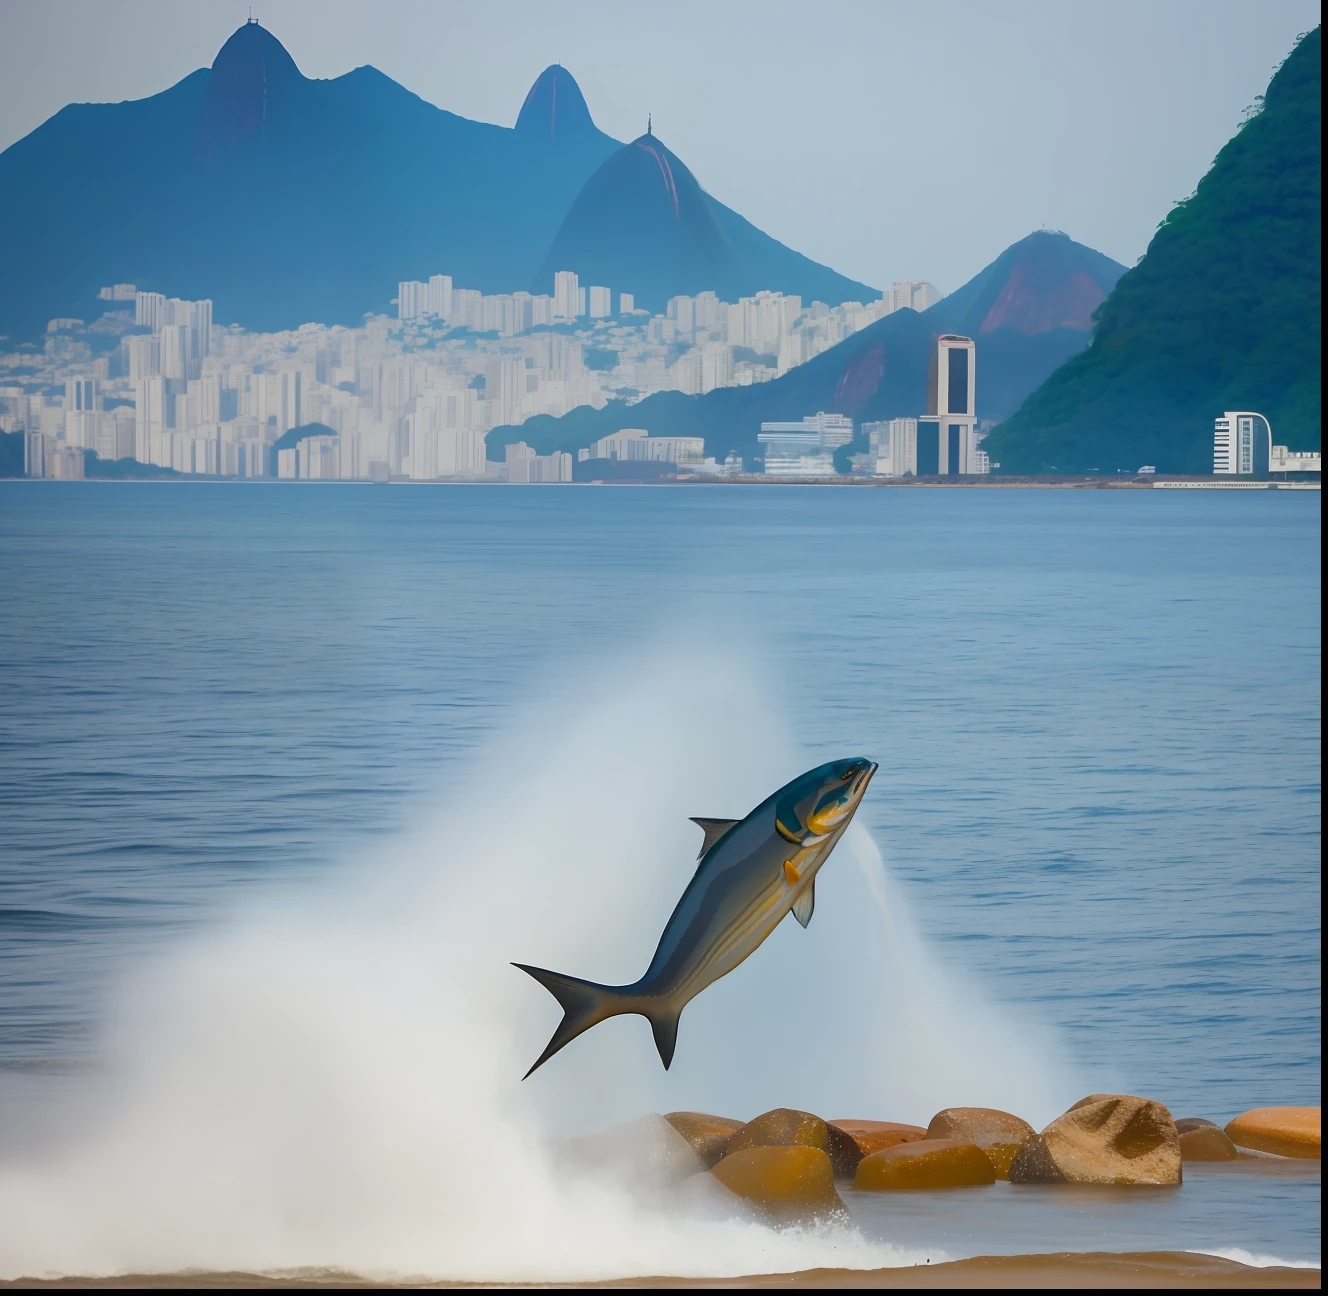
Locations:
(330, 1078)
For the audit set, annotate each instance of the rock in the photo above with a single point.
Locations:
(708, 1135)
(1284, 1131)
(843, 1150)
(1206, 1143)
(788, 1183)
(925, 1163)
(1092, 1098)
(875, 1136)
(1120, 1139)
(997, 1133)
(1188, 1123)
(783, 1127)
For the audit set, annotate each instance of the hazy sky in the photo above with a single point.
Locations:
(891, 140)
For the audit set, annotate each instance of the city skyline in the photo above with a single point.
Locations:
(848, 159)
(407, 398)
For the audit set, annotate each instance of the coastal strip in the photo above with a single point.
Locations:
(1089, 1270)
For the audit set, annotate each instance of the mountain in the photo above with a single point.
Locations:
(555, 108)
(1223, 312)
(283, 198)
(643, 223)
(1029, 312)
(288, 199)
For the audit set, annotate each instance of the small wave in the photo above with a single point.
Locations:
(1255, 1259)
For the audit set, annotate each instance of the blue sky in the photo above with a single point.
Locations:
(891, 140)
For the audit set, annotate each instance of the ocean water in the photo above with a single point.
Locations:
(330, 757)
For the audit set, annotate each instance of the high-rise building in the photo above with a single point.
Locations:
(601, 303)
(894, 447)
(149, 418)
(200, 329)
(467, 309)
(81, 394)
(1242, 444)
(412, 299)
(682, 310)
(175, 351)
(915, 294)
(566, 295)
(947, 434)
(149, 309)
(505, 389)
(626, 303)
(440, 296)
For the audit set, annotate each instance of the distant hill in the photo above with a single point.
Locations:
(284, 199)
(1222, 313)
(1029, 311)
(643, 223)
(288, 199)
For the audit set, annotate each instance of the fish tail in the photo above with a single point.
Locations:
(664, 1025)
(584, 1003)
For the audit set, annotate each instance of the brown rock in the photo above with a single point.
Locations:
(792, 1182)
(875, 1136)
(708, 1135)
(1284, 1131)
(927, 1163)
(997, 1133)
(1188, 1123)
(783, 1127)
(1206, 1143)
(1119, 1139)
(844, 1151)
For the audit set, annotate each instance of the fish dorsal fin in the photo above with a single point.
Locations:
(714, 829)
(802, 911)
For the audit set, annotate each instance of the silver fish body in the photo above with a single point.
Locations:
(752, 873)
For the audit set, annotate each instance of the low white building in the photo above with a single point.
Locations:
(638, 444)
(1243, 447)
(806, 448)
(525, 467)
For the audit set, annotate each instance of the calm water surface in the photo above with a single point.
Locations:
(1099, 714)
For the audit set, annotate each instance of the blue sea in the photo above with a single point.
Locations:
(1097, 716)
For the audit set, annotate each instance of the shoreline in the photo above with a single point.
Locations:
(858, 483)
(1074, 1270)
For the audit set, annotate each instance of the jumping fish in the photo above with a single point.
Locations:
(752, 872)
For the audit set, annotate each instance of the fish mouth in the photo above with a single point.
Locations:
(865, 777)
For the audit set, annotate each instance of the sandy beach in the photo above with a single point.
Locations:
(1086, 1270)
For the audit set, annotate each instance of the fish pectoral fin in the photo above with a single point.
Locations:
(713, 829)
(802, 910)
(792, 873)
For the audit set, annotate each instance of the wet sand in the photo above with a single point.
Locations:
(1086, 1270)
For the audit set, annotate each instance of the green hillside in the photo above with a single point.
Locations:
(1222, 312)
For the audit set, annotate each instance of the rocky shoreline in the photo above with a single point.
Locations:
(789, 1165)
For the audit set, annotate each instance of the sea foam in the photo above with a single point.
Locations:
(330, 1075)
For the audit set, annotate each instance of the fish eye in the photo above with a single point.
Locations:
(846, 775)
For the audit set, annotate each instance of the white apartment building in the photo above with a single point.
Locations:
(566, 295)
(806, 448)
(1243, 447)
(894, 447)
(638, 444)
(525, 467)
(916, 295)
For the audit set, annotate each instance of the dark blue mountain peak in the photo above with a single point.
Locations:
(251, 76)
(555, 108)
